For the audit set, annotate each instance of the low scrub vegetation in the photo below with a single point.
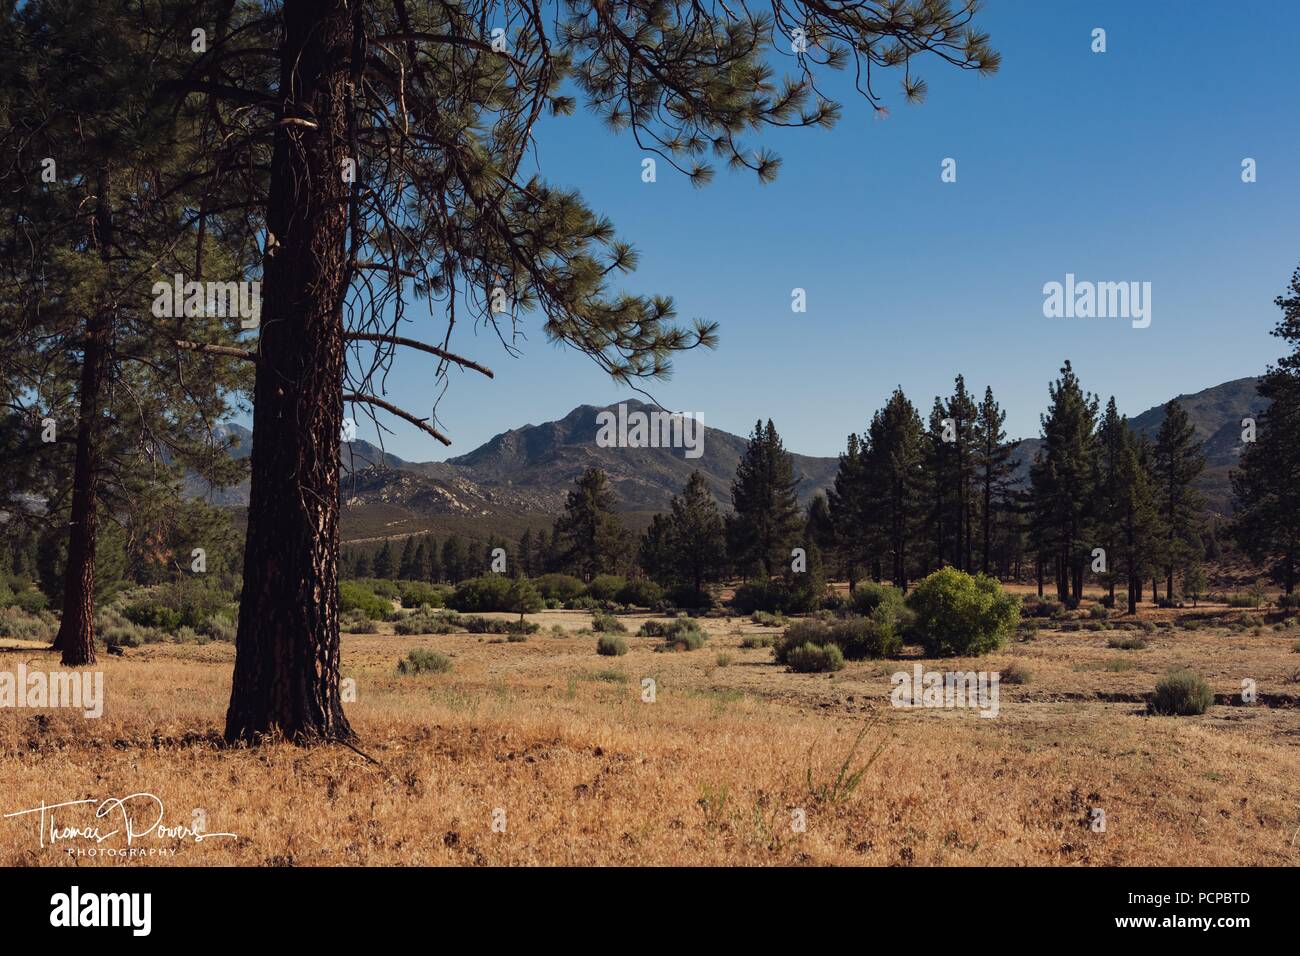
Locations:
(1181, 693)
(960, 615)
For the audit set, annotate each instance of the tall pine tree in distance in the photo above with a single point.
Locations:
(766, 520)
(1177, 460)
(1266, 486)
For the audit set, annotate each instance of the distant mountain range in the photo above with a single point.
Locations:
(520, 477)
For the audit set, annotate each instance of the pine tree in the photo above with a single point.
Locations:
(453, 559)
(1138, 523)
(895, 482)
(847, 502)
(766, 520)
(696, 537)
(384, 566)
(994, 468)
(132, 403)
(437, 125)
(588, 537)
(1266, 487)
(655, 553)
(963, 413)
(407, 567)
(1177, 460)
(1113, 440)
(1063, 480)
(433, 572)
(525, 552)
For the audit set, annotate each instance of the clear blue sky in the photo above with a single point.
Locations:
(1117, 166)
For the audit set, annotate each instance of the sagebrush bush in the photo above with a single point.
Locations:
(490, 625)
(611, 645)
(766, 619)
(22, 626)
(1015, 673)
(959, 615)
(809, 658)
(426, 621)
(1181, 693)
(681, 634)
(751, 641)
(422, 660)
(857, 638)
(607, 624)
(218, 628)
(1127, 643)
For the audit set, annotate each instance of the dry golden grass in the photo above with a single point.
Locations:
(710, 773)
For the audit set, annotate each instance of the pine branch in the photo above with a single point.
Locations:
(422, 346)
(225, 350)
(420, 423)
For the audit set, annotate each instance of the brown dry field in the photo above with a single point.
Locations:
(708, 774)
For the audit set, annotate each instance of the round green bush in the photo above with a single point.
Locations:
(611, 645)
(355, 596)
(1181, 693)
(640, 592)
(490, 592)
(424, 660)
(809, 658)
(558, 587)
(605, 587)
(958, 614)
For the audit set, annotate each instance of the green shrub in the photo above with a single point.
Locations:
(30, 600)
(422, 660)
(767, 620)
(605, 587)
(384, 587)
(607, 624)
(1288, 602)
(776, 597)
(152, 614)
(869, 595)
(420, 594)
(681, 634)
(856, 638)
(490, 625)
(219, 628)
(611, 645)
(684, 596)
(640, 592)
(960, 615)
(1098, 612)
(489, 592)
(723, 660)
(582, 603)
(558, 587)
(809, 658)
(756, 640)
(427, 621)
(1181, 693)
(356, 596)
(1251, 599)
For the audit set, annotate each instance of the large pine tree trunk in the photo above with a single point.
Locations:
(286, 677)
(76, 637)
